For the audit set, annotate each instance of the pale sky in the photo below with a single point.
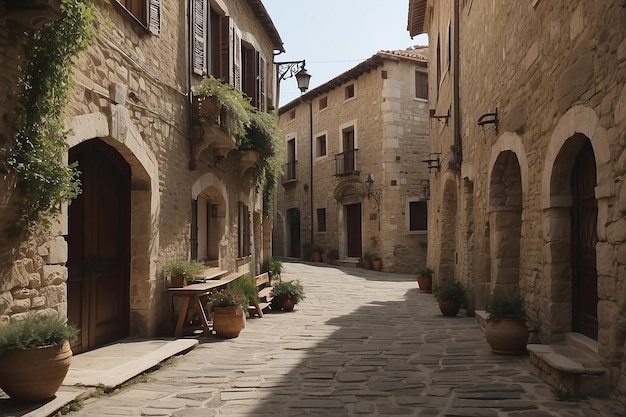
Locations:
(335, 35)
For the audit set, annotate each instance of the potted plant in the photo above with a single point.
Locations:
(424, 277)
(181, 272)
(333, 254)
(367, 260)
(35, 356)
(325, 257)
(287, 294)
(316, 253)
(273, 266)
(221, 103)
(506, 330)
(228, 316)
(377, 263)
(451, 294)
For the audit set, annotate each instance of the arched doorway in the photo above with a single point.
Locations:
(99, 246)
(505, 223)
(584, 216)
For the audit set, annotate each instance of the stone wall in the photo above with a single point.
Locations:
(558, 80)
(130, 89)
(391, 128)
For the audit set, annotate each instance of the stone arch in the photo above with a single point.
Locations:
(120, 132)
(505, 222)
(212, 211)
(448, 216)
(578, 126)
(511, 142)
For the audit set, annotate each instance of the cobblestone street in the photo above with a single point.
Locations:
(362, 343)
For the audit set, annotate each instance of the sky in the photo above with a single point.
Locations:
(335, 35)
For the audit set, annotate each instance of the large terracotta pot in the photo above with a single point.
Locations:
(449, 308)
(228, 321)
(35, 374)
(425, 283)
(377, 265)
(316, 256)
(507, 336)
(367, 264)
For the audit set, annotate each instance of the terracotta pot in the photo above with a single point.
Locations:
(425, 283)
(178, 281)
(283, 303)
(507, 336)
(449, 308)
(316, 256)
(31, 375)
(367, 264)
(377, 265)
(228, 321)
(325, 258)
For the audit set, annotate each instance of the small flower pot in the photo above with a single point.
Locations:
(425, 283)
(449, 308)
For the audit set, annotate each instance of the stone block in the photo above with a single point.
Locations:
(38, 302)
(574, 81)
(5, 303)
(18, 277)
(20, 306)
(54, 295)
(616, 231)
(54, 275)
(57, 248)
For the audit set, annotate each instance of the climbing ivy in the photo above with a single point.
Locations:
(44, 180)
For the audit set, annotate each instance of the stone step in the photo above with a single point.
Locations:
(351, 262)
(571, 367)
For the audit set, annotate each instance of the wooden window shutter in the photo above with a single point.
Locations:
(199, 36)
(261, 89)
(154, 18)
(225, 48)
(236, 59)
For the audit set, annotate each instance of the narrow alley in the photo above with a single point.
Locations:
(362, 343)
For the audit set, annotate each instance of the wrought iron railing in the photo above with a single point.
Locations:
(347, 162)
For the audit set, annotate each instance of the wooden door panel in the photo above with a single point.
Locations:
(99, 246)
(353, 229)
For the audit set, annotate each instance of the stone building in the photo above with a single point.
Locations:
(531, 145)
(371, 120)
(156, 184)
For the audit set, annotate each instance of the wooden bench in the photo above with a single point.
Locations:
(194, 294)
(265, 295)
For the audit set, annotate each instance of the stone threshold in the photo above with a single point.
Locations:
(351, 262)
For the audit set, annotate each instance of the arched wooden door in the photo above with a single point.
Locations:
(584, 239)
(99, 246)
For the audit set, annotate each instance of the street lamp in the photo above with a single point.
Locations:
(290, 69)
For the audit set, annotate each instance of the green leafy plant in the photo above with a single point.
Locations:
(227, 298)
(33, 331)
(375, 257)
(236, 108)
(273, 266)
(333, 254)
(506, 306)
(367, 256)
(186, 269)
(245, 286)
(36, 155)
(424, 271)
(451, 290)
(289, 289)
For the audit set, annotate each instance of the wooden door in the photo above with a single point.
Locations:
(584, 239)
(99, 247)
(293, 230)
(353, 229)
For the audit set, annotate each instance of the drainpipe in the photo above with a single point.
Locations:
(456, 111)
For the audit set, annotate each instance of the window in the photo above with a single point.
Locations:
(292, 114)
(349, 91)
(290, 166)
(253, 81)
(244, 230)
(147, 13)
(323, 103)
(418, 215)
(320, 146)
(211, 33)
(421, 85)
(321, 219)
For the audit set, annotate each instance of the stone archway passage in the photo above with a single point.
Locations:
(584, 239)
(505, 221)
(99, 246)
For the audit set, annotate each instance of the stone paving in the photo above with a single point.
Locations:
(362, 343)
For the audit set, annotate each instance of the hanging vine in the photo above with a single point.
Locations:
(35, 157)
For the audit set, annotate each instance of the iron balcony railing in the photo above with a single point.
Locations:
(347, 162)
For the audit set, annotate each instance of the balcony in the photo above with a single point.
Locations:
(290, 172)
(208, 132)
(32, 13)
(347, 163)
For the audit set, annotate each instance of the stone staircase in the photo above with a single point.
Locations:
(572, 367)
